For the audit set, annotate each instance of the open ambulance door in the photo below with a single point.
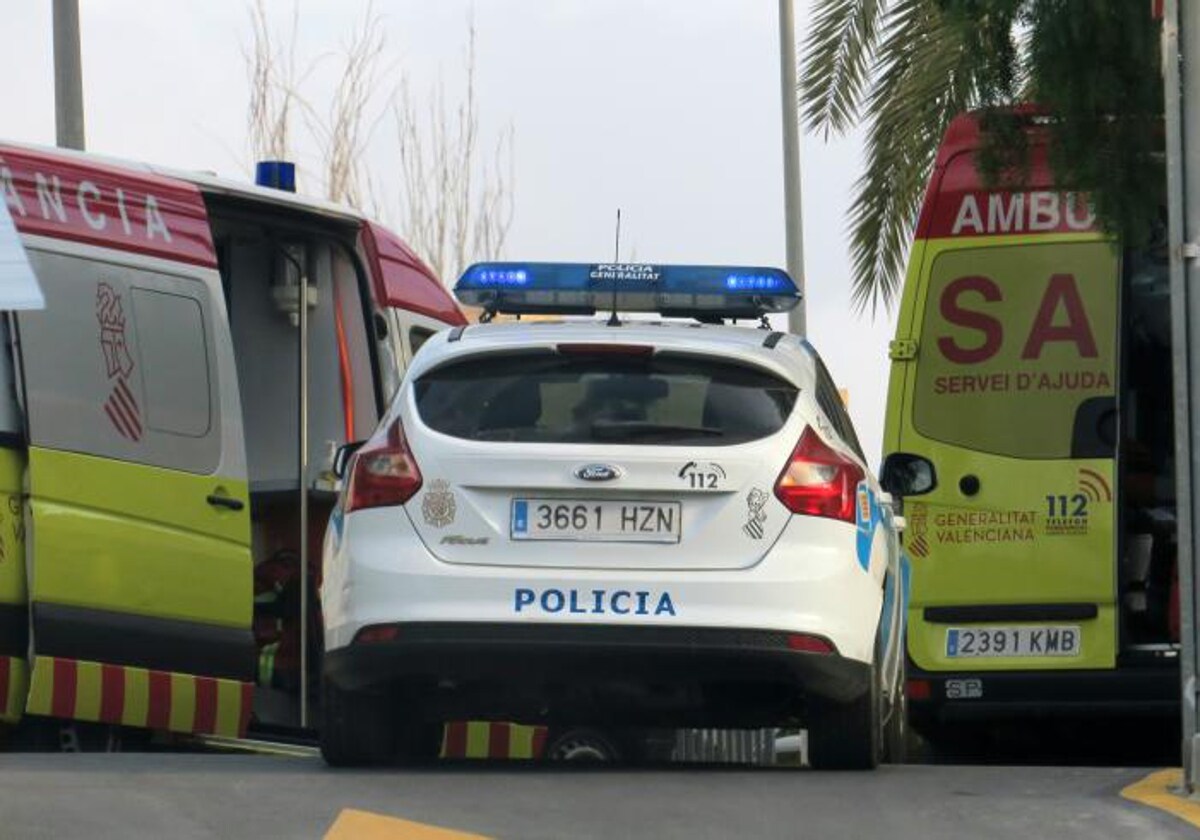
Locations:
(14, 596)
(19, 289)
(418, 305)
(139, 569)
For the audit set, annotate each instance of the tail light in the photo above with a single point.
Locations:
(807, 643)
(819, 481)
(384, 474)
(918, 689)
(377, 633)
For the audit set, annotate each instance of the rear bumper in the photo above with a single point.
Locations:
(377, 571)
(1145, 689)
(552, 660)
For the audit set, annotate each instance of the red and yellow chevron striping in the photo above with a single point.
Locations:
(14, 681)
(484, 739)
(94, 691)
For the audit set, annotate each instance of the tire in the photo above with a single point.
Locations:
(582, 745)
(847, 736)
(417, 743)
(957, 743)
(895, 731)
(356, 728)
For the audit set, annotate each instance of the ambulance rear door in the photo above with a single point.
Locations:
(138, 517)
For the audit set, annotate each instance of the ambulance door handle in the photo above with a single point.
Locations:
(219, 500)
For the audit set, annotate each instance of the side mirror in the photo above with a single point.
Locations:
(341, 458)
(904, 474)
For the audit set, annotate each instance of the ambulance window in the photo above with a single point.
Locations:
(11, 427)
(176, 381)
(1017, 347)
(122, 364)
(417, 336)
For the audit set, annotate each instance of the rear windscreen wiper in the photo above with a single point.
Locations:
(644, 428)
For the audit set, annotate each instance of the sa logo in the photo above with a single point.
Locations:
(1048, 327)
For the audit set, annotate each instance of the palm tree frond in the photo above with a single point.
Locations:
(925, 76)
(837, 54)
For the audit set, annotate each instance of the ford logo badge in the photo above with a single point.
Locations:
(598, 472)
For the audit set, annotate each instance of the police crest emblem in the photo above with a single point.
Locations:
(438, 507)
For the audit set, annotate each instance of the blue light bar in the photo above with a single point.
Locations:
(670, 290)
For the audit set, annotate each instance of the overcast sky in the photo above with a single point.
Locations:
(668, 109)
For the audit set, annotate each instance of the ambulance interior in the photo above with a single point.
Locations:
(261, 264)
(1147, 583)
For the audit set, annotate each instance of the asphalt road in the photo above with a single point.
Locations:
(183, 796)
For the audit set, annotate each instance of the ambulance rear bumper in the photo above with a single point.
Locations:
(940, 697)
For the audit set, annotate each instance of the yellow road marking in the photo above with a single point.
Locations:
(363, 825)
(1156, 791)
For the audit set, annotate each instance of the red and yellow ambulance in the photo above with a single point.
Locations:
(158, 441)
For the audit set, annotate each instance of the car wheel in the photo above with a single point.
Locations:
(895, 731)
(417, 743)
(582, 745)
(847, 736)
(356, 728)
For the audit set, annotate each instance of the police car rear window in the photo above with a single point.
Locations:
(544, 397)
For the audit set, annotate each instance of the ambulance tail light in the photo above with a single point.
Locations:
(384, 474)
(918, 689)
(818, 481)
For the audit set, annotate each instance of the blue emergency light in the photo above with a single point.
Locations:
(277, 174)
(674, 291)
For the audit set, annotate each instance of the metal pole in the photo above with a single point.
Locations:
(68, 75)
(304, 494)
(791, 159)
(1183, 218)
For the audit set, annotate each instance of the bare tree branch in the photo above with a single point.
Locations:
(455, 197)
(456, 201)
(272, 78)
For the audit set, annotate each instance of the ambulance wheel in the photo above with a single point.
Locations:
(356, 728)
(847, 736)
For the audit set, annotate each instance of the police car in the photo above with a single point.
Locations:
(617, 521)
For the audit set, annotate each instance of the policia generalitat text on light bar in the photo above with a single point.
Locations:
(673, 291)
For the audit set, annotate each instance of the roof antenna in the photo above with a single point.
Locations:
(613, 320)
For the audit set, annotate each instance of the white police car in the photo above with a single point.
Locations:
(614, 523)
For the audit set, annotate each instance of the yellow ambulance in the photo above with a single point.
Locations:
(1029, 431)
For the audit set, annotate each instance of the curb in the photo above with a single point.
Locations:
(1163, 790)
